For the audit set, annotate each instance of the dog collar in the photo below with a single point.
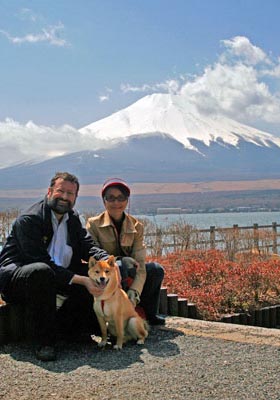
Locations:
(103, 302)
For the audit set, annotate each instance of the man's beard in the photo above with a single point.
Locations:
(59, 206)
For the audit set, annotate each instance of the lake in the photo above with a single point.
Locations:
(221, 220)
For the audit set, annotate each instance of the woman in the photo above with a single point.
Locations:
(121, 234)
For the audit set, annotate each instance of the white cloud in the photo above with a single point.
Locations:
(103, 98)
(23, 142)
(234, 91)
(273, 72)
(106, 96)
(27, 14)
(234, 86)
(241, 47)
(49, 35)
(170, 86)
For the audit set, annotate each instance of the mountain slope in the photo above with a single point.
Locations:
(152, 158)
(160, 138)
(174, 115)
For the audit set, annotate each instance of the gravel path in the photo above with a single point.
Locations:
(186, 360)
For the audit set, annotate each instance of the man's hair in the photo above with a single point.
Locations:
(66, 177)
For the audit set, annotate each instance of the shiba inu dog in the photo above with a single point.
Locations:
(113, 308)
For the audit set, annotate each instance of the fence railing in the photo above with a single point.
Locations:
(260, 238)
(181, 236)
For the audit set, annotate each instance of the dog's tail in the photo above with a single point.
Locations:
(137, 328)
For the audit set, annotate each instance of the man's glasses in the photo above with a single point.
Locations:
(121, 198)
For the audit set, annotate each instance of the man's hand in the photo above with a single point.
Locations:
(133, 296)
(91, 286)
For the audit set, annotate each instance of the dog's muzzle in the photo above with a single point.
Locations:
(102, 282)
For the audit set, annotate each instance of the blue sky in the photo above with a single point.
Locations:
(65, 62)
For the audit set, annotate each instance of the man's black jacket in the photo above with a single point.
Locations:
(29, 239)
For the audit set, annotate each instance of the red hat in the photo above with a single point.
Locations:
(114, 182)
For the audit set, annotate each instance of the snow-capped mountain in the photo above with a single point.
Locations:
(174, 115)
(160, 138)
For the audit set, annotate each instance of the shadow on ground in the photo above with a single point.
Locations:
(71, 356)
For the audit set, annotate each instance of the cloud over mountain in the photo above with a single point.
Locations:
(226, 97)
(242, 85)
(160, 138)
(31, 142)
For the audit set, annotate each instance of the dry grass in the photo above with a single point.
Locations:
(190, 187)
(161, 188)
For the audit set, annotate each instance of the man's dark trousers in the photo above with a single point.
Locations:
(34, 286)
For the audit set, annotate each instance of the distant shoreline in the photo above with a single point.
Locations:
(147, 198)
(149, 188)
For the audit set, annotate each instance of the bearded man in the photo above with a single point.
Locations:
(43, 266)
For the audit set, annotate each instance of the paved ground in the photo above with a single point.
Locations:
(232, 332)
(188, 359)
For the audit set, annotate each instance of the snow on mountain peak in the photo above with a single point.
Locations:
(176, 116)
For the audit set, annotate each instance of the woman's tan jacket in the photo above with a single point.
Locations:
(131, 241)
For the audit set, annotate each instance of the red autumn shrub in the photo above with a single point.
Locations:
(218, 286)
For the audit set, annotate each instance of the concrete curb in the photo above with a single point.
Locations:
(225, 331)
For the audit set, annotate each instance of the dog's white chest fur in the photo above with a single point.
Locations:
(100, 309)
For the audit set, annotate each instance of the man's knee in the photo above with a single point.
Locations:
(40, 272)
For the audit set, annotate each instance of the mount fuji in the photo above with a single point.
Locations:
(160, 138)
(177, 117)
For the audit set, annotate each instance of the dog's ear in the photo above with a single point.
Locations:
(91, 262)
(111, 261)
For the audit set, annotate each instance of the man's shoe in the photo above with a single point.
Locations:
(156, 320)
(46, 353)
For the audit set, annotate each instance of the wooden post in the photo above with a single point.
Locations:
(243, 317)
(256, 236)
(172, 300)
(226, 318)
(265, 317)
(274, 238)
(182, 307)
(212, 237)
(235, 318)
(235, 239)
(258, 317)
(272, 317)
(252, 318)
(278, 315)
(163, 308)
(192, 310)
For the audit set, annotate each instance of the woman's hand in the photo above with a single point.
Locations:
(133, 296)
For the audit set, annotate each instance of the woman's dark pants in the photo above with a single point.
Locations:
(150, 295)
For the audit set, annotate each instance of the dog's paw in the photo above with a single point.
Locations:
(117, 346)
(102, 343)
(140, 341)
